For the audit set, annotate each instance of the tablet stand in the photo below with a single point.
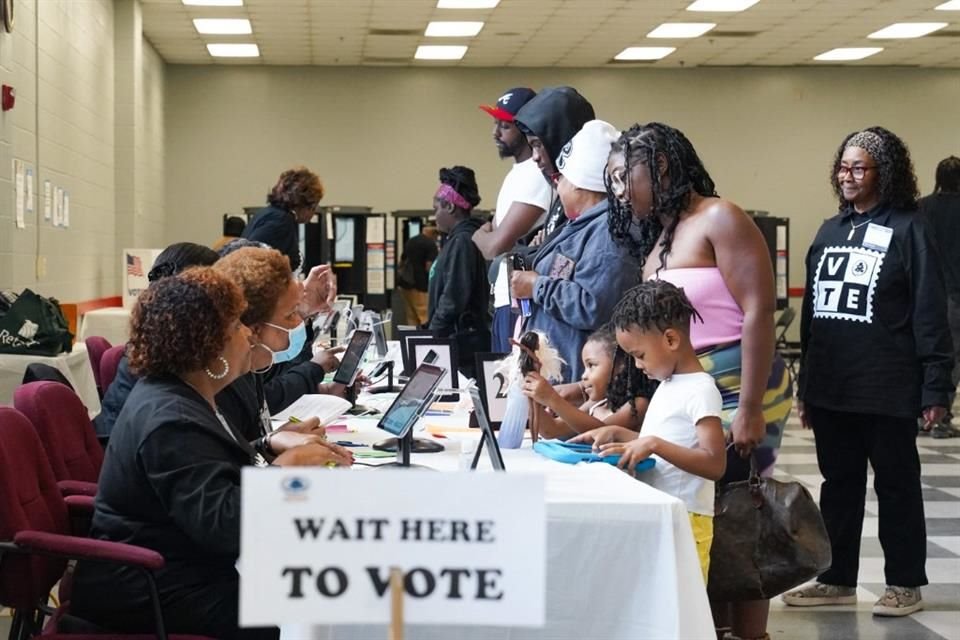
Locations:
(404, 447)
(416, 445)
(390, 387)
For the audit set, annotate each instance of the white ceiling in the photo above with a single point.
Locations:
(555, 33)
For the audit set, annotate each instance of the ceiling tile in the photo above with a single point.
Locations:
(547, 33)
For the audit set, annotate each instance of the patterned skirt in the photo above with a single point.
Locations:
(723, 363)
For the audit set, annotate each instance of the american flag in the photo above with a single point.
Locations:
(134, 266)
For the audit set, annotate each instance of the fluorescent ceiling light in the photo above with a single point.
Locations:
(467, 4)
(952, 5)
(721, 5)
(440, 52)
(644, 53)
(223, 26)
(907, 30)
(453, 29)
(681, 30)
(849, 53)
(233, 50)
(213, 3)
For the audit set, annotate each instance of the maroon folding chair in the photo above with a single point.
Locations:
(96, 347)
(67, 434)
(35, 542)
(108, 365)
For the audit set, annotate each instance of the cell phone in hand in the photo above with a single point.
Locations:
(519, 264)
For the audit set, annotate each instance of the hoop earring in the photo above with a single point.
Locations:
(223, 374)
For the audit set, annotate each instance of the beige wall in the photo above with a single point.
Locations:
(139, 129)
(62, 60)
(378, 135)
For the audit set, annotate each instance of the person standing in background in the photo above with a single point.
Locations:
(549, 122)
(521, 205)
(292, 201)
(459, 306)
(876, 353)
(580, 272)
(942, 210)
(419, 252)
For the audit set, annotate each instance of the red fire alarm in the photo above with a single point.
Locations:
(9, 97)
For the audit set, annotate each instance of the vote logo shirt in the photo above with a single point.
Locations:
(873, 326)
(845, 283)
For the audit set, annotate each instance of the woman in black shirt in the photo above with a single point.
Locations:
(876, 353)
(171, 476)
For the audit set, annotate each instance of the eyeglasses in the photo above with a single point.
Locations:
(856, 172)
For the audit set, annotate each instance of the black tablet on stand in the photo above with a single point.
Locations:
(350, 363)
(487, 436)
(408, 407)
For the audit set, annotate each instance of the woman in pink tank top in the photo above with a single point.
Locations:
(665, 209)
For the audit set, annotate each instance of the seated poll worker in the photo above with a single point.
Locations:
(579, 273)
(280, 389)
(171, 261)
(171, 475)
(278, 334)
(303, 372)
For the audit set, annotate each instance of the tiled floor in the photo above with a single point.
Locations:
(941, 492)
(940, 620)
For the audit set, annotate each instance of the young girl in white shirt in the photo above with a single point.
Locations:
(601, 388)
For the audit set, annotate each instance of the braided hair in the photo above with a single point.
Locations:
(464, 181)
(898, 182)
(650, 144)
(948, 176)
(654, 305)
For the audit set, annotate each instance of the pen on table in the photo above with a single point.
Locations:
(347, 443)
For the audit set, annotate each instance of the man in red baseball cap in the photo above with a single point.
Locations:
(521, 206)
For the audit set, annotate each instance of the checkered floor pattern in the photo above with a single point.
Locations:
(940, 619)
(941, 493)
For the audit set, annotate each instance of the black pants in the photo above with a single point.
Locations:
(845, 442)
(210, 610)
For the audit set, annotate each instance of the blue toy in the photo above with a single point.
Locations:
(572, 453)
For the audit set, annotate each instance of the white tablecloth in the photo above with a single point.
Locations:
(75, 366)
(621, 561)
(112, 323)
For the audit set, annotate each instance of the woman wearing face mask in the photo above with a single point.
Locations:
(171, 475)
(278, 335)
(281, 387)
(292, 376)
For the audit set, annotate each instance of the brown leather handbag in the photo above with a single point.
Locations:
(768, 537)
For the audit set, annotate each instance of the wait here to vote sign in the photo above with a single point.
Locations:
(317, 546)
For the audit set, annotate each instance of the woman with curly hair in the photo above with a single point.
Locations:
(665, 208)
(876, 353)
(273, 299)
(292, 201)
(171, 476)
(458, 286)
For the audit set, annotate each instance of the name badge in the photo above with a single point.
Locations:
(877, 237)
